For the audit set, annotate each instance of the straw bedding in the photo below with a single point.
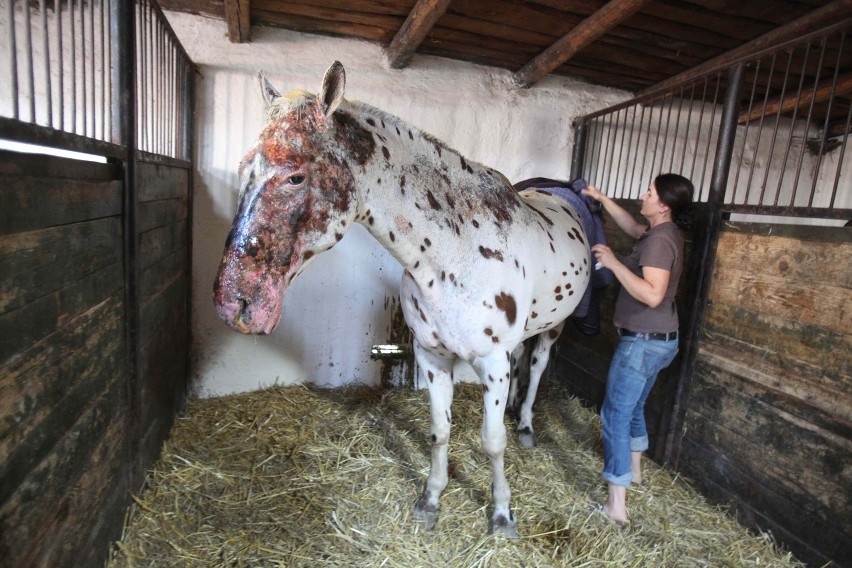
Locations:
(294, 476)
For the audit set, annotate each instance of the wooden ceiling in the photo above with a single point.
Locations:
(641, 46)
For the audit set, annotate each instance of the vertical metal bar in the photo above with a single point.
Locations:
(605, 146)
(620, 149)
(105, 63)
(807, 124)
(13, 58)
(628, 140)
(45, 36)
(665, 140)
(704, 260)
(647, 141)
(57, 7)
(700, 132)
(824, 130)
(73, 59)
(594, 152)
(840, 158)
(760, 129)
(793, 121)
(712, 121)
(84, 99)
(774, 136)
(28, 41)
(686, 133)
(652, 172)
(124, 123)
(579, 149)
(740, 160)
(92, 107)
(677, 129)
(636, 146)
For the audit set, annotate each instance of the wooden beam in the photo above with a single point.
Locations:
(593, 27)
(820, 94)
(419, 22)
(238, 20)
(836, 12)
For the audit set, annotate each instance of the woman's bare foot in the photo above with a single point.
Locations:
(615, 506)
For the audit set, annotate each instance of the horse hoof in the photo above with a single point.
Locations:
(505, 527)
(426, 514)
(526, 438)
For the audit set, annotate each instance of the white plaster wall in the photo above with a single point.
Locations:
(340, 306)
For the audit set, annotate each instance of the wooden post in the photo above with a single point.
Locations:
(420, 20)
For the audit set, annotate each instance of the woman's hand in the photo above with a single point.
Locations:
(604, 255)
(593, 192)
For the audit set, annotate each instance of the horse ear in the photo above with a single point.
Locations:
(269, 92)
(333, 85)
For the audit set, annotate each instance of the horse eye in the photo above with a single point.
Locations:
(296, 180)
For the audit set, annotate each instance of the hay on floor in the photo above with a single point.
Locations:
(293, 476)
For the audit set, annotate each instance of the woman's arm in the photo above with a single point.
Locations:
(650, 289)
(622, 218)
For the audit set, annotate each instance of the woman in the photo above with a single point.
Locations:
(646, 318)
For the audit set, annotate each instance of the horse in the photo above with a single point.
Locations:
(484, 267)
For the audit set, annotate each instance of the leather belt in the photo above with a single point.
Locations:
(670, 336)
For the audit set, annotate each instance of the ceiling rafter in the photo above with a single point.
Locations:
(837, 11)
(419, 22)
(593, 27)
(826, 90)
(237, 16)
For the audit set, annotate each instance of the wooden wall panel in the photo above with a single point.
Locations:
(768, 426)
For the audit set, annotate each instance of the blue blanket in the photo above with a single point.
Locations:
(587, 314)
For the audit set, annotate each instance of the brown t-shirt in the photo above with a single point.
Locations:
(658, 247)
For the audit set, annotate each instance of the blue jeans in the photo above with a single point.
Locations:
(632, 374)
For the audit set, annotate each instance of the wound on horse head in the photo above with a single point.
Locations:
(484, 267)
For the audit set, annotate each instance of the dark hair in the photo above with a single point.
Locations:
(676, 192)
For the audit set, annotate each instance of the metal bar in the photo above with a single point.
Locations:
(105, 64)
(605, 148)
(840, 158)
(686, 134)
(677, 129)
(45, 37)
(84, 99)
(807, 124)
(760, 125)
(13, 58)
(27, 132)
(579, 149)
(700, 122)
(636, 146)
(620, 150)
(824, 129)
(57, 7)
(793, 120)
(653, 170)
(709, 138)
(92, 112)
(628, 140)
(73, 60)
(741, 159)
(775, 129)
(28, 41)
(705, 259)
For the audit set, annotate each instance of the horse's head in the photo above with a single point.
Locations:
(297, 199)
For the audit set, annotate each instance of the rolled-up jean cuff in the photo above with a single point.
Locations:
(639, 444)
(623, 480)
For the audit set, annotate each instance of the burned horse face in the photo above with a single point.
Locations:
(297, 199)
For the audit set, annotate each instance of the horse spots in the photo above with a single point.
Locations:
(507, 304)
(490, 379)
(557, 289)
(410, 135)
(351, 135)
(430, 283)
(573, 238)
(533, 315)
(427, 242)
(463, 163)
(338, 236)
(489, 253)
(475, 223)
(308, 255)
(579, 235)
(391, 235)
(443, 276)
(551, 247)
(371, 122)
(570, 292)
(433, 203)
(386, 152)
(370, 220)
(484, 388)
(534, 360)
(417, 264)
(542, 215)
(558, 297)
(431, 376)
(488, 331)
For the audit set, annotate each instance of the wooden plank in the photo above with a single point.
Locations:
(41, 165)
(43, 390)
(156, 244)
(369, 31)
(806, 463)
(48, 500)
(28, 203)
(826, 90)
(826, 15)
(237, 16)
(36, 320)
(810, 537)
(797, 257)
(37, 263)
(595, 26)
(417, 25)
(153, 214)
(806, 352)
(159, 181)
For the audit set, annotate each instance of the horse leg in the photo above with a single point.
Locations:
(436, 372)
(540, 357)
(517, 357)
(494, 371)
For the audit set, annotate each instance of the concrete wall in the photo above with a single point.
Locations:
(342, 305)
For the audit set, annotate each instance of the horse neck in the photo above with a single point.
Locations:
(417, 196)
